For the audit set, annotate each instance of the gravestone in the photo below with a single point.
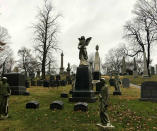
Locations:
(135, 73)
(112, 82)
(46, 83)
(32, 105)
(52, 83)
(123, 71)
(152, 70)
(57, 105)
(52, 78)
(149, 91)
(16, 83)
(96, 73)
(33, 82)
(81, 106)
(145, 71)
(63, 83)
(64, 95)
(125, 83)
(58, 77)
(98, 87)
(39, 82)
(82, 90)
(26, 93)
(27, 84)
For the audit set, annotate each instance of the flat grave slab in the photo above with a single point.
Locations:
(57, 105)
(32, 105)
(81, 106)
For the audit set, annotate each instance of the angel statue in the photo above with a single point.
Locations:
(83, 56)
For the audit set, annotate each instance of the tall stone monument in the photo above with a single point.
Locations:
(145, 71)
(82, 90)
(96, 73)
(123, 66)
(135, 73)
(152, 70)
(62, 68)
(68, 69)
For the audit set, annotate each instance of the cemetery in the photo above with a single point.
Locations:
(64, 82)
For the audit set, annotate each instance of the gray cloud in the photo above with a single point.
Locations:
(101, 19)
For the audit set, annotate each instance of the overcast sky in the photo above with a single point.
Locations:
(102, 20)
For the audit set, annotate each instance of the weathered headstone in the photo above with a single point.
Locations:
(149, 91)
(81, 106)
(32, 105)
(135, 73)
(123, 71)
(57, 105)
(83, 91)
(125, 83)
(145, 71)
(152, 70)
(16, 83)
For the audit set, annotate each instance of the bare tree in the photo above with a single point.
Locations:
(113, 59)
(27, 62)
(4, 37)
(141, 32)
(45, 31)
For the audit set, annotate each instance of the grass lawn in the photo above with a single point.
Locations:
(139, 80)
(126, 113)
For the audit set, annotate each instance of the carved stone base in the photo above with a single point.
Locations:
(117, 93)
(105, 128)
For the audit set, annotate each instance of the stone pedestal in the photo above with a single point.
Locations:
(105, 128)
(82, 91)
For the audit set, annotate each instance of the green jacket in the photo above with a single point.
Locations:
(4, 89)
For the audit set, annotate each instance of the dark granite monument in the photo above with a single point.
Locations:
(149, 91)
(82, 91)
(16, 83)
